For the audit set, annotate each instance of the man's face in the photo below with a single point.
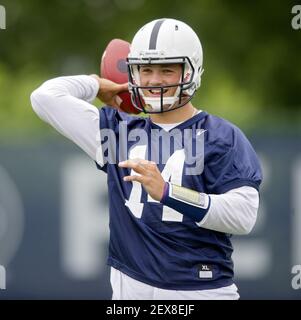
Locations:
(158, 75)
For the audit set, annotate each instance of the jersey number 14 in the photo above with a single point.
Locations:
(172, 172)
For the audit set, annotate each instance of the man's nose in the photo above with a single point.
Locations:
(156, 78)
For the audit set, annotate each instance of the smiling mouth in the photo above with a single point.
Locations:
(157, 92)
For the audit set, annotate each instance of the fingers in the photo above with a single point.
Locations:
(123, 87)
(137, 161)
(138, 165)
(115, 103)
(109, 90)
(134, 178)
(108, 85)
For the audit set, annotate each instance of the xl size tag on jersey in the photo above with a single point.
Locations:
(205, 271)
(189, 196)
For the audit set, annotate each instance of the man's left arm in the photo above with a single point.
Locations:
(233, 212)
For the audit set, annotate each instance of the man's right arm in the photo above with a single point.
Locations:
(64, 103)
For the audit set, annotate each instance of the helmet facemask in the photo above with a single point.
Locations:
(185, 88)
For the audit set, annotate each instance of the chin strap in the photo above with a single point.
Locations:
(154, 103)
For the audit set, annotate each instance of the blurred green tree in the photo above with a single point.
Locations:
(251, 54)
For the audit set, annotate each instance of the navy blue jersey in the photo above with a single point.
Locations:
(156, 244)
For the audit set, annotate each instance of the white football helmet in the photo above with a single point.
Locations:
(165, 41)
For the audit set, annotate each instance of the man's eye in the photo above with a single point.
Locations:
(145, 70)
(167, 71)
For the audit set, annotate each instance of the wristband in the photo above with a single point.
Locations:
(186, 201)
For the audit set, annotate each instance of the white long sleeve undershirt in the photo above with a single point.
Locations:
(64, 103)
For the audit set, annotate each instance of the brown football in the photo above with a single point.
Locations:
(114, 67)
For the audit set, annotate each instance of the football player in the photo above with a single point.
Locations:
(170, 227)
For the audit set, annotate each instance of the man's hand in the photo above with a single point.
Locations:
(149, 176)
(108, 91)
